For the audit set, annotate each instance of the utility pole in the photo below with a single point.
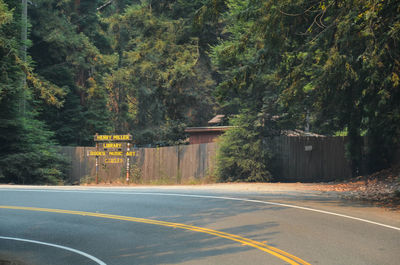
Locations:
(24, 37)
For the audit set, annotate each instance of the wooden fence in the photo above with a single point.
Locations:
(165, 165)
(307, 159)
(311, 159)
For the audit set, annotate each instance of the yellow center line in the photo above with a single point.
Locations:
(291, 259)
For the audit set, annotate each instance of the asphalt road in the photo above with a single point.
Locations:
(40, 226)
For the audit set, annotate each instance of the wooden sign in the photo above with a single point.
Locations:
(115, 153)
(112, 145)
(113, 160)
(112, 138)
(112, 153)
(116, 150)
(96, 153)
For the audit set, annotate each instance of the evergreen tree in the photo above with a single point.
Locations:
(64, 37)
(160, 84)
(246, 61)
(346, 72)
(245, 153)
(27, 152)
(332, 63)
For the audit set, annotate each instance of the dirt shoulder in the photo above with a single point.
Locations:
(381, 188)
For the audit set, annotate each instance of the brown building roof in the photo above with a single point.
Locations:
(207, 129)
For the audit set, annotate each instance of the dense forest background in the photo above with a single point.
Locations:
(151, 68)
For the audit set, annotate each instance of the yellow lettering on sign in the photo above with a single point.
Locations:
(126, 137)
(112, 145)
(97, 153)
(121, 137)
(130, 153)
(113, 160)
(115, 153)
(104, 137)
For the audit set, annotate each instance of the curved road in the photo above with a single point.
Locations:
(40, 226)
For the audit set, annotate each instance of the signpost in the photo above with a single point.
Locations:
(115, 150)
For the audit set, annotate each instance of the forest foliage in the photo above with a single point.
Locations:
(152, 68)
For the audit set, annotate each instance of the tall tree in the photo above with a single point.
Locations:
(347, 73)
(27, 154)
(331, 63)
(63, 36)
(246, 61)
(160, 84)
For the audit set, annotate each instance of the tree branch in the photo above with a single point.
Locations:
(296, 15)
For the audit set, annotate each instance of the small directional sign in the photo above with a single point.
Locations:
(112, 153)
(112, 145)
(113, 160)
(112, 138)
(97, 153)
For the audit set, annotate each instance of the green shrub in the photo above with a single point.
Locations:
(243, 155)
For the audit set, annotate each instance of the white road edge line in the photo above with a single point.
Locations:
(56, 246)
(217, 197)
